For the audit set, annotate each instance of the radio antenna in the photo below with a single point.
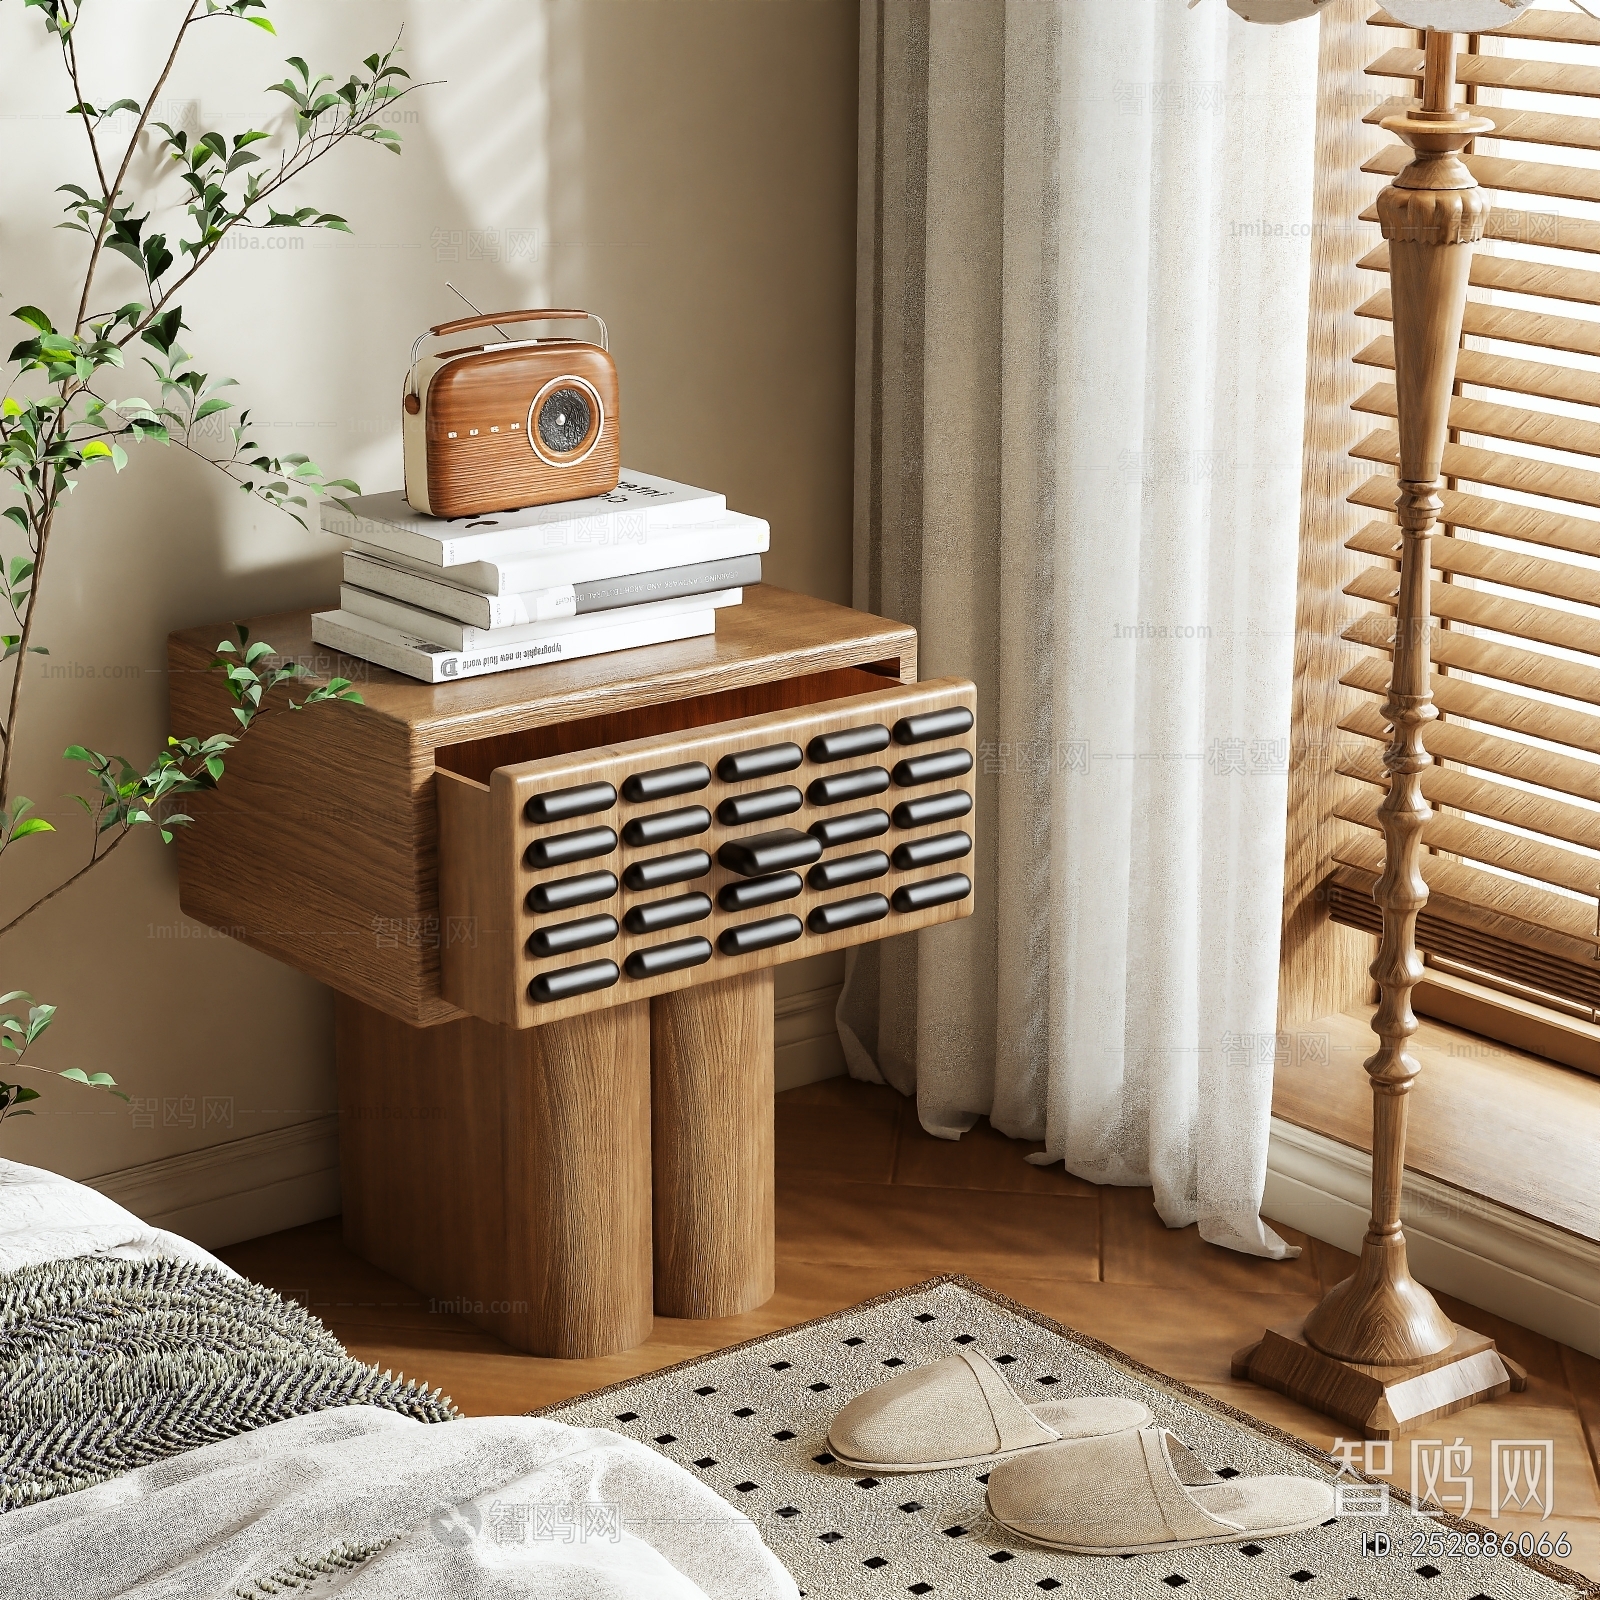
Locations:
(466, 302)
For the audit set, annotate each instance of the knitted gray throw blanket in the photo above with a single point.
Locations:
(107, 1365)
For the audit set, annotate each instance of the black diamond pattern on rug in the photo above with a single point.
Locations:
(843, 1540)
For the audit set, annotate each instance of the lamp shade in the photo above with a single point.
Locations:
(1275, 10)
(1456, 16)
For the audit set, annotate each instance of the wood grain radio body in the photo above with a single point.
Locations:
(495, 426)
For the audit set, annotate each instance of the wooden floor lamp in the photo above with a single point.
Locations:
(1378, 1353)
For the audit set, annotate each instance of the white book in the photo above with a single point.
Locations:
(640, 505)
(450, 634)
(438, 595)
(577, 560)
(419, 658)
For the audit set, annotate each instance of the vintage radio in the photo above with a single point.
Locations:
(494, 426)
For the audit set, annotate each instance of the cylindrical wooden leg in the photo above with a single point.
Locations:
(711, 1137)
(505, 1172)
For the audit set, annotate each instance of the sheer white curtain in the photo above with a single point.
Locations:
(1085, 247)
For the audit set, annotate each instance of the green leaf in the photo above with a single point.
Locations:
(95, 449)
(32, 825)
(77, 1074)
(35, 318)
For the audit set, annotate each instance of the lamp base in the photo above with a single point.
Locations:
(1382, 1402)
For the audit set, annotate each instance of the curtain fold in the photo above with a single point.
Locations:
(1084, 271)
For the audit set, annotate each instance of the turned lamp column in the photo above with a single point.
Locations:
(1432, 215)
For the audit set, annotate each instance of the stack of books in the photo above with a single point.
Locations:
(442, 600)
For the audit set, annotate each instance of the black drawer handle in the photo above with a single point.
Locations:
(848, 742)
(929, 769)
(925, 852)
(848, 913)
(559, 804)
(568, 981)
(848, 869)
(759, 806)
(672, 957)
(565, 893)
(659, 914)
(749, 893)
(657, 785)
(763, 935)
(932, 892)
(934, 808)
(762, 853)
(661, 870)
(660, 826)
(565, 936)
(932, 725)
(846, 830)
(560, 848)
(761, 763)
(855, 785)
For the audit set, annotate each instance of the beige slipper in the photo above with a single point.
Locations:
(1144, 1491)
(960, 1411)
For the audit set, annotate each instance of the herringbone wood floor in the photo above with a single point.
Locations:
(868, 1202)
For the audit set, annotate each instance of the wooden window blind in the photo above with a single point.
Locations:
(1514, 863)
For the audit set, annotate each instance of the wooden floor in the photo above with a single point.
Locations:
(868, 1202)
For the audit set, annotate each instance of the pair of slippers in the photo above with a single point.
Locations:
(1090, 1476)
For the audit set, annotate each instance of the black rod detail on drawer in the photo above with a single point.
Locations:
(848, 913)
(561, 848)
(657, 785)
(658, 914)
(759, 806)
(661, 870)
(769, 852)
(567, 936)
(565, 893)
(660, 826)
(932, 892)
(848, 869)
(763, 763)
(855, 785)
(672, 957)
(560, 804)
(763, 935)
(932, 725)
(925, 852)
(934, 808)
(753, 892)
(564, 983)
(848, 742)
(929, 769)
(846, 830)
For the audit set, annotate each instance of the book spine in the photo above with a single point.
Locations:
(671, 583)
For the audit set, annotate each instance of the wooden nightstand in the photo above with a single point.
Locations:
(550, 903)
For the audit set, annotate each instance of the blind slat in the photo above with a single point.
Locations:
(1544, 330)
(1521, 619)
(1556, 530)
(1513, 125)
(1496, 72)
(1468, 559)
(1488, 752)
(1577, 284)
(1494, 420)
(1517, 808)
(1545, 25)
(1547, 478)
(1482, 702)
(1548, 178)
(1532, 227)
(1572, 385)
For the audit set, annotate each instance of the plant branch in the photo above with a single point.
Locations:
(43, 525)
(70, 50)
(127, 161)
(66, 883)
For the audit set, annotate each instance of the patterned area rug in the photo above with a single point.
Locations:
(107, 1365)
(752, 1422)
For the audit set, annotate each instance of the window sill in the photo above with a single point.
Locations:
(1510, 1127)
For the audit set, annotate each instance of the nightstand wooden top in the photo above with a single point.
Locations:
(776, 633)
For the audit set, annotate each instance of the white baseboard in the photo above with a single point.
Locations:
(808, 1047)
(1527, 1271)
(241, 1190)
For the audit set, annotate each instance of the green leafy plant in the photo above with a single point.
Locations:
(59, 418)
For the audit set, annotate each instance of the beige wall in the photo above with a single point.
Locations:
(687, 168)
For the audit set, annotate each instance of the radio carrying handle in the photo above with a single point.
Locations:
(462, 324)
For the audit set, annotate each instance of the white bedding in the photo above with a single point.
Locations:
(45, 1217)
(488, 1508)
